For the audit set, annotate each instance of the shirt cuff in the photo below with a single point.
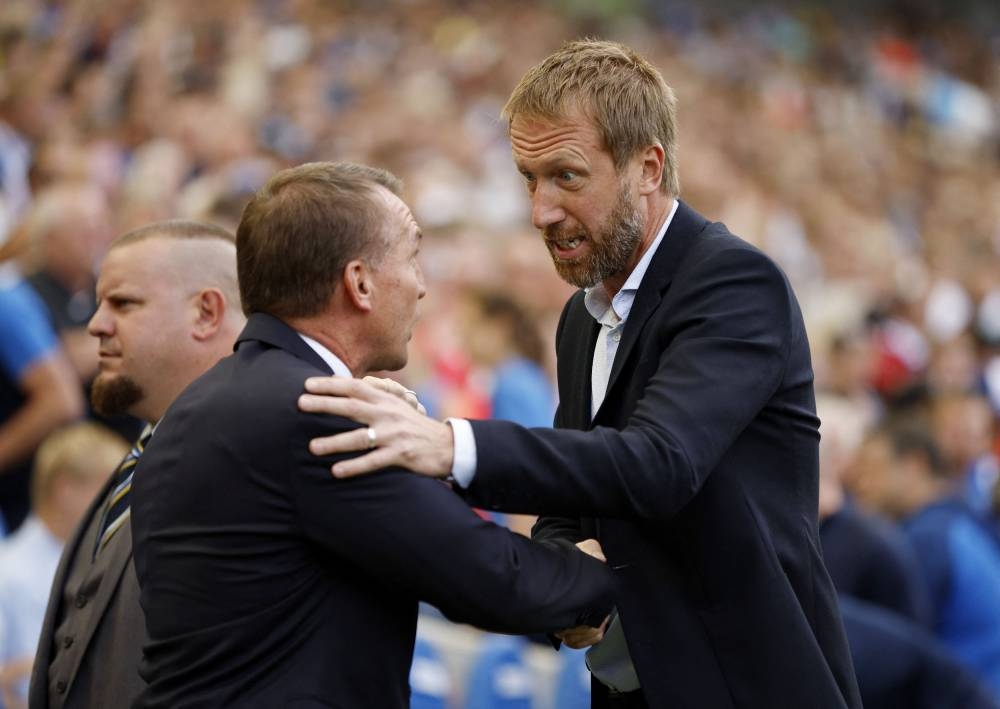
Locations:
(463, 467)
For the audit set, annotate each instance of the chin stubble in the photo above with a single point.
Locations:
(610, 254)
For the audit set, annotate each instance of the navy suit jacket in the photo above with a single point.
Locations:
(268, 583)
(699, 476)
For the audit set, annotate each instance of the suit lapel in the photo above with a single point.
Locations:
(272, 331)
(575, 358)
(685, 227)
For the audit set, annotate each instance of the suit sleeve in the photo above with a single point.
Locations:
(725, 347)
(557, 531)
(416, 535)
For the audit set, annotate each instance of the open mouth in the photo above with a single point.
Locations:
(567, 249)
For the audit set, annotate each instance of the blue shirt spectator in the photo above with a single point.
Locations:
(900, 664)
(961, 565)
(522, 393)
(27, 340)
(872, 560)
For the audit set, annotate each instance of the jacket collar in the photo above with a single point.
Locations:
(273, 332)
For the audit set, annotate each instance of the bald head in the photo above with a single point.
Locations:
(168, 310)
(196, 254)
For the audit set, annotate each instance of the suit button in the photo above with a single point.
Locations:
(68, 641)
(61, 686)
(81, 600)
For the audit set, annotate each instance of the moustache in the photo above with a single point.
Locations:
(557, 233)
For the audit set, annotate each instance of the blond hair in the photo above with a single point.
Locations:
(622, 93)
(81, 451)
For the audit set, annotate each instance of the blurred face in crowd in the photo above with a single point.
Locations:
(73, 492)
(586, 210)
(83, 231)
(869, 478)
(895, 485)
(963, 428)
(143, 323)
(399, 284)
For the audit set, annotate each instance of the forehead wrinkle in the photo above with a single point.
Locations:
(560, 142)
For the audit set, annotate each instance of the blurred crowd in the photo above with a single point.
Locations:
(862, 151)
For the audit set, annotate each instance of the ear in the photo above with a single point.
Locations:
(358, 285)
(211, 311)
(652, 169)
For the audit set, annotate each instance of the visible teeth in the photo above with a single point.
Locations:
(568, 243)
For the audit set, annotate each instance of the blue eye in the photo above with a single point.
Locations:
(567, 175)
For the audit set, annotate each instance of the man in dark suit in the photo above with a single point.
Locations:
(265, 581)
(168, 310)
(684, 374)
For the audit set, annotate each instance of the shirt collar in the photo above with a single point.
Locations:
(611, 311)
(333, 361)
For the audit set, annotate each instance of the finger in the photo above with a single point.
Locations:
(343, 386)
(389, 386)
(347, 442)
(394, 388)
(582, 640)
(376, 460)
(411, 398)
(354, 409)
(574, 633)
(593, 548)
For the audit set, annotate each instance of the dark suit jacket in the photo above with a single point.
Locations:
(699, 478)
(107, 674)
(268, 583)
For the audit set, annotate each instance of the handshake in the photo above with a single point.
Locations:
(583, 635)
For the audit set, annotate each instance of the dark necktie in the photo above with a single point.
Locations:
(117, 512)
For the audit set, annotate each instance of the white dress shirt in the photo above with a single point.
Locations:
(333, 361)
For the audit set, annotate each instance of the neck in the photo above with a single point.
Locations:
(339, 341)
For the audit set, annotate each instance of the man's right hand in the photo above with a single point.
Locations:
(397, 433)
(584, 636)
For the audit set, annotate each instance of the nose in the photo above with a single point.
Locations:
(100, 323)
(421, 285)
(545, 207)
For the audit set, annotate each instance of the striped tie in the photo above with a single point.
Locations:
(117, 512)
